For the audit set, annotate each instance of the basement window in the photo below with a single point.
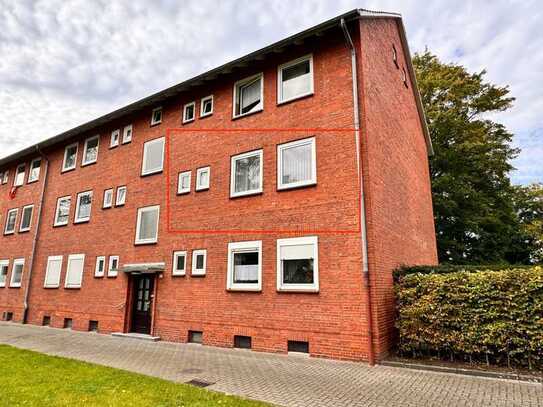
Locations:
(147, 225)
(9, 316)
(156, 116)
(298, 264)
(246, 174)
(195, 337)
(295, 79)
(93, 326)
(53, 271)
(249, 95)
(153, 157)
(46, 321)
(206, 106)
(11, 220)
(19, 175)
(74, 271)
(189, 112)
(34, 173)
(199, 258)
(242, 342)
(90, 150)
(83, 207)
(244, 271)
(67, 323)
(298, 346)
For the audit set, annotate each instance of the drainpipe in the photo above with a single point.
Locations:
(363, 227)
(36, 233)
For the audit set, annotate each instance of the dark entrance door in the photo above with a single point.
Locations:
(141, 303)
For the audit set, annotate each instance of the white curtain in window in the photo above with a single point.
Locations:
(246, 272)
(296, 163)
(148, 225)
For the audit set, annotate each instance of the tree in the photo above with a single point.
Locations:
(474, 209)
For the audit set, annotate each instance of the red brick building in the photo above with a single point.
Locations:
(262, 204)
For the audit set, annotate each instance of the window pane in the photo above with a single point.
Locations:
(148, 225)
(296, 80)
(180, 263)
(121, 196)
(91, 153)
(63, 211)
(153, 156)
(247, 174)
(296, 163)
(20, 176)
(250, 96)
(27, 218)
(208, 104)
(70, 157)
(3, 274)
(189, 112)
(12, 217)
(204, 178)
(84, 206)
(298, 271)
(246, 267)
(200, 261)
(17, 274)
(35, 170)
(185, 181)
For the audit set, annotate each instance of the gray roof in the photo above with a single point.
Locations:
(226, 69)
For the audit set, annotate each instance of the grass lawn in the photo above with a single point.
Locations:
(34, 379)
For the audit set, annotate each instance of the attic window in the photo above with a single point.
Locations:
(189, 112)
(404, 78)
(156, 116)
(248, 95)
(395, 56)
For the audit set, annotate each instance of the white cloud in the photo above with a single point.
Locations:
(65, 62)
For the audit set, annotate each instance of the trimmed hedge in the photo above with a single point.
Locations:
(487, 315)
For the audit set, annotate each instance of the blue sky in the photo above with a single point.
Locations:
(65, 62)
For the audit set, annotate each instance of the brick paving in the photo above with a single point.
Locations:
(279, 379)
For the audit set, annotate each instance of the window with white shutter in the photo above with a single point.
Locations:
(74, 271)
(52, 273)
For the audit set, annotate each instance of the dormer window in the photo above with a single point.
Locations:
(249, 95)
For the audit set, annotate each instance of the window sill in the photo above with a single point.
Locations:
(64, 170)
(119, 205)
(15, 286)
(295, 98)
(197, 274)
(126, 142)
(73, 288)
(9, 233)
(310, 290)
(51, 287)
(179, 274)
(202, 189)
(145, 242)
(244, 289)
(24, 231)
(246, 194)
(89, 163)
(203, 116)
(188, 121)
(112, 276)
(296, 186)
(78, 222)
(239, 116)
(106, 207)
(59, 225)
(32, 181)
(95, 276)
(114, 146)
(183, 192)
(147, 174)
(156, 124)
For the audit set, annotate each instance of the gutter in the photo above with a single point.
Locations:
(36, 233)
(363, 226)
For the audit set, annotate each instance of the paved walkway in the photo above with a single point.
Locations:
(279, 379)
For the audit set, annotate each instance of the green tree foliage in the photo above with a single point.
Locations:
(475, 206)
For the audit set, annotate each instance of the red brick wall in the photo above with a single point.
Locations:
(396, 174)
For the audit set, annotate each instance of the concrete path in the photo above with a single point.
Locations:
(279, 379)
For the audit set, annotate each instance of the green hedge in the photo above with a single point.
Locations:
(488, 315)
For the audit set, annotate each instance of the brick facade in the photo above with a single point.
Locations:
(334, 320)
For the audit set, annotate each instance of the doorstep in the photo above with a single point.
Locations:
(134, 335)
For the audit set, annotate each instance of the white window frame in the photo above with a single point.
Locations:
(195, 271)
(118, 201)
(233, 160)
(202, 103)
(4, 263)
(139, 241)
(314, 287)
(97, 272)
(145, 146)
(199, 172)
(72, 257)
(153, 121)
(107, 203)
(64, 168)
(128, 132)
(240, 247)
(85, 147)
(17, 262)
(238, 85)
(115, 138)
(111, 272)
(37, 177)
(77, 219)
(185, 107)
(6, 177)
(16, 182)
(281, 68)
(180, 189)
(56, 222)
(12, 231)
(21, 229)
(48, 270)
(175, 270)
(281, 147)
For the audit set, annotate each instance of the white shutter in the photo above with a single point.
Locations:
(297, 252)
(74, 274)
(52, 274)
